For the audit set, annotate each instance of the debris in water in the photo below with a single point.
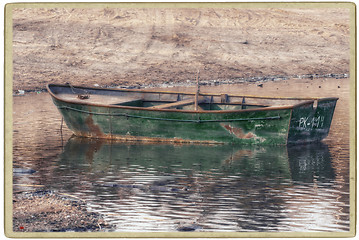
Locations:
(23, 170)
(188, 228)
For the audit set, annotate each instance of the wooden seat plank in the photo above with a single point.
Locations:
(179, 103)
(175, 104)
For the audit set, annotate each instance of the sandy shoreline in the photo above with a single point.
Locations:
(166, 84)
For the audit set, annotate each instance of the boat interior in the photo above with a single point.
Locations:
(168, 100)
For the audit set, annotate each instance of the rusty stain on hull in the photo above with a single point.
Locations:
(93, 127)
(130, 138)
(238, 132)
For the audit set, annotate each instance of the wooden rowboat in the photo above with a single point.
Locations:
(179, 117)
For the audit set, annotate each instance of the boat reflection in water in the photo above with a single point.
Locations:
(163, 187)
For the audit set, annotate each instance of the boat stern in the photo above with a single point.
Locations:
(310, 122)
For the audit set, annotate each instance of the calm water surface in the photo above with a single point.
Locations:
(148, 187)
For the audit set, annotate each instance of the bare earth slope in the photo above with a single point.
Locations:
(108, 46)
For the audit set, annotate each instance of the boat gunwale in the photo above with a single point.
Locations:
(270, 108)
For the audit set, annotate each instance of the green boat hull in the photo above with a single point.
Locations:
(282, 126)
(160, 116)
